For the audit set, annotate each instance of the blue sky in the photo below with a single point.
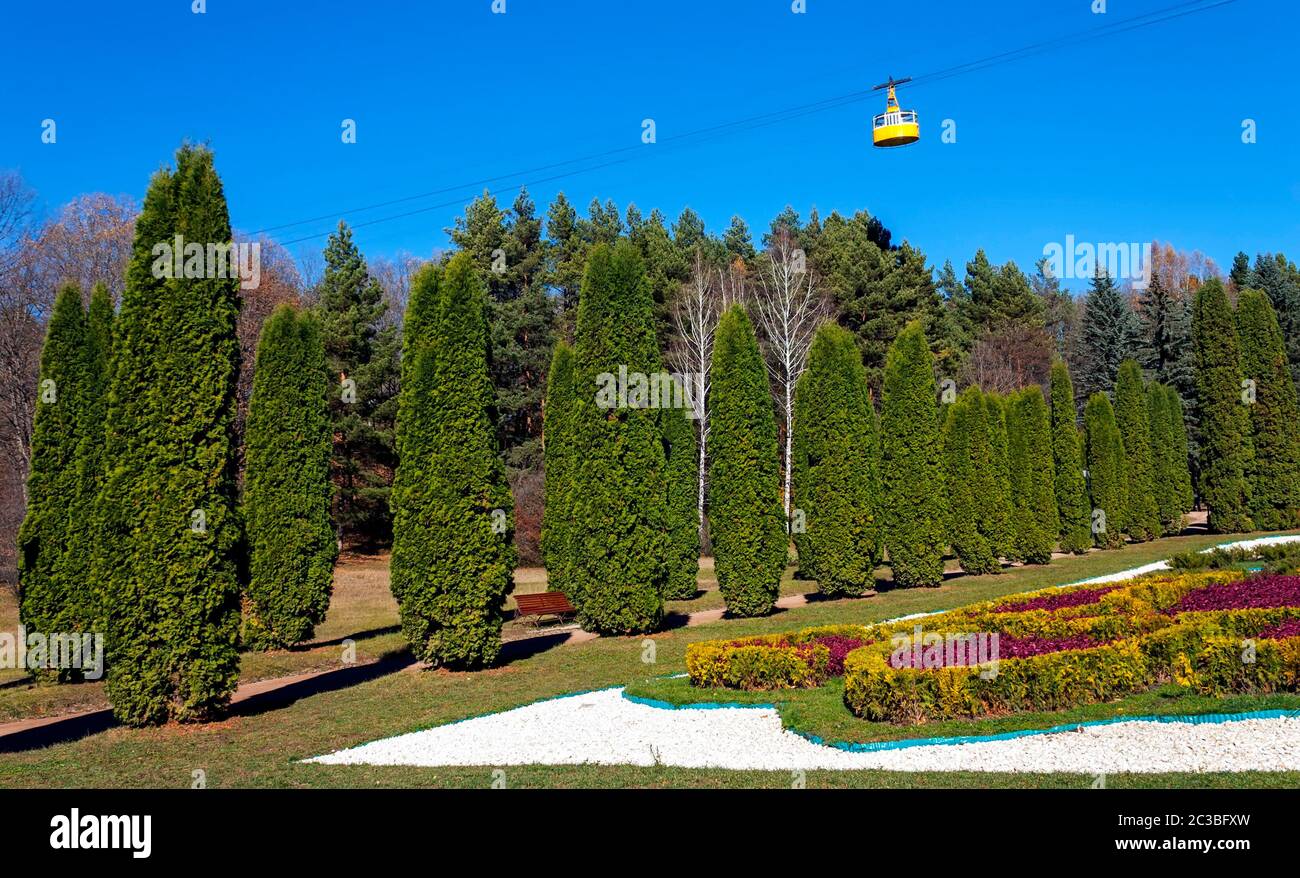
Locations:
(1132, 137)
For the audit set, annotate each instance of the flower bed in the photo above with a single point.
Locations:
(1282, 630)
(1214, 632)
(1254, 592)
(777, 661)
(876, 690)
(1060, 600)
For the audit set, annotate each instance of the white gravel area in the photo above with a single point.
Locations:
(1135, 572)
(604, 728)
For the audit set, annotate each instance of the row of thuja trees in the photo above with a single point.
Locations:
(988, 478)
(135, 527)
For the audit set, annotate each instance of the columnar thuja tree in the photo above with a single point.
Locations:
(620, 513)
(681, 454)
(52, 586)
(168, 541)
(745, 513)
(1106, 472)
(561, 467)
(836, 453)
(1032, 477)
(1142, 518)
(291, 543)
(453, 554)
(967, 474)
(1070, 488)
(90, 457)
(413, 435)
(1274, 416)
(1171, 479)
(994, 483)
(1225, 420)
(915, 510)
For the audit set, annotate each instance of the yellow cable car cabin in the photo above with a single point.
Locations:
(895, 126)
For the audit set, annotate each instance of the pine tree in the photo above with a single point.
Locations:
(1242, 276)
(1109, 335)
(1142, 517)
(1166, 349)
(292, 547)
(746, 518)
(1106, 469)
(1274, 415)
(1070, 488)
(1225, 422)
(681, 453)
(561, 471)
(915, 509)
(621, 513)
(737, 241)
(89, 613)
(453, 556)
(52, 586)
(968, 461)
(168, 534)
(1032, 477)
(836, 485)
(361, 353)
(995, 488)
(1171, 480)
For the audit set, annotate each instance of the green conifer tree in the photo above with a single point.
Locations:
(995, 482)
(1106, 469)
(1070, 488)
(561, 470)
(621, 518)
(966, 477)
(1274, 415)
(1225, 420)
(361, 349)
(292, 547)
(1032, 477)
(50, 583)
(1170, 479)
(915, 508)
(1142, 518)
(681, 454)
(169, 537)
(836, 485)
(453, 558)
(746, 518)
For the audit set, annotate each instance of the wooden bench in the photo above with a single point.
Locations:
(547, 603)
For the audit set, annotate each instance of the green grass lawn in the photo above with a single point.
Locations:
(260, 749)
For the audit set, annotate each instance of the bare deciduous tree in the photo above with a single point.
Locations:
(695, 314)
(790, 308)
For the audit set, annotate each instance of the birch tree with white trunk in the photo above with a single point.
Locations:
(708, 293)
(790, 306)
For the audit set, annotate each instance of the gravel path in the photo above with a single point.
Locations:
(606, 729)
